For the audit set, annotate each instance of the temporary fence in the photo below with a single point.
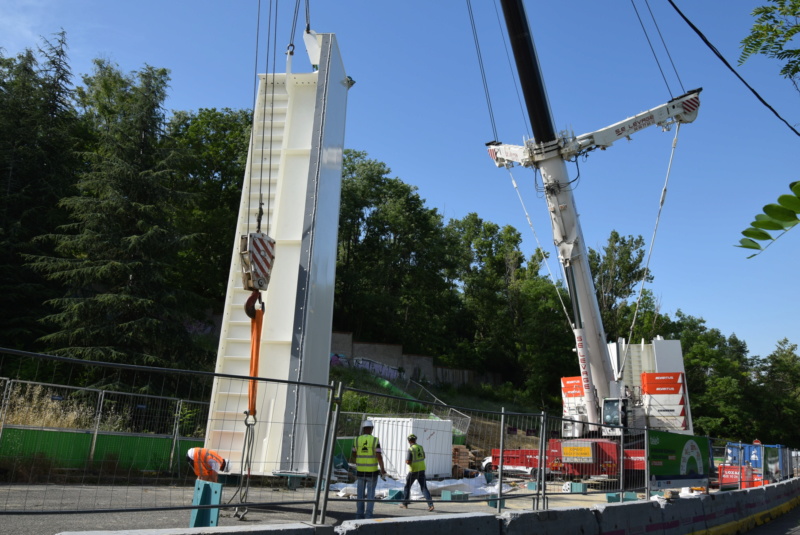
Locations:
(65, 448)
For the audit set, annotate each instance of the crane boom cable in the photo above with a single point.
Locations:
(525, 124)
(650, 44)
(255, 97)
(483, 71)
(664, 44)
(730, 68)
(652, 243)
(539, 246)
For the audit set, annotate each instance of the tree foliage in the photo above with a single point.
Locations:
(116, 258)
(117, 222)
(39, 136)
(773, 35)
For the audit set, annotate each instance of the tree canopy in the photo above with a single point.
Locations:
(117, 221)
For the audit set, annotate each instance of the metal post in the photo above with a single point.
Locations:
(176, 429)
(323, 473)
(621, 461)
(502, 454)
(98, 416)
(4, 403)
(741, 463)
(541, 476)
(647, 464)
(334, 427)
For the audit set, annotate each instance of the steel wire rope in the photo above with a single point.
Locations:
(652, 50)
(525, 124)
(483, 70)
(543, 257)
(250, 420)
(730, 68)
(666, 181)
(664, 44)
(652, 243)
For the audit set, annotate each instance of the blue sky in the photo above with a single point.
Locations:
(418, 105)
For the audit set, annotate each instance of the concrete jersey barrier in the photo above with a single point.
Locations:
(718, 513)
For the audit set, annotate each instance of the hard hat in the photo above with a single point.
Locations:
(367, 423)
(226, 466)
(412, 436)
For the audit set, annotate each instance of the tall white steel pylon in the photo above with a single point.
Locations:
(296, 155)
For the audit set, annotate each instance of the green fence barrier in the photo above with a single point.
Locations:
(72, 449)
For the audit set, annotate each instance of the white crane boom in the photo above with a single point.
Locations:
(594, 359)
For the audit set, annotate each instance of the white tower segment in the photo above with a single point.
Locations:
(295, 160)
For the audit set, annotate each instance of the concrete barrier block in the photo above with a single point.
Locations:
(755, 505)
(722, 509)
(630, 518)
(455, 524)
(558, 521)
(297, 528)
(683, 516)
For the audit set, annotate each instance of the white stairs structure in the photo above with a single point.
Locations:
(294, 165)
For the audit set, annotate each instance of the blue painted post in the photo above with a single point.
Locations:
(206, 493)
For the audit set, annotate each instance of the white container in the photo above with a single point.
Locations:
(435, 436)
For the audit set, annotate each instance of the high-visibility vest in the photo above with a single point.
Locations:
(417, 458)
(366, 457)
(202, 462)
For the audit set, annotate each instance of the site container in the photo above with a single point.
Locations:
(435, 436)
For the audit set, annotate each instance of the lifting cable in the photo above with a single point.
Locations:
(728, 65)
(257, 250)
(483, 71)
(542, 255)
(652, 242)
(539, 247)
(663, 43)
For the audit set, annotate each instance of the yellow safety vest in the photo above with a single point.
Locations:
(417, 458)
(366, 457)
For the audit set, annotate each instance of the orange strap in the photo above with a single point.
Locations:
(255, 350)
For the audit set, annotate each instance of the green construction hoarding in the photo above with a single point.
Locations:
(677, 461)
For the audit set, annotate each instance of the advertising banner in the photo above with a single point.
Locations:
(677, 461)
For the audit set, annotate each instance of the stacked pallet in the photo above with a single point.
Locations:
(460, 461)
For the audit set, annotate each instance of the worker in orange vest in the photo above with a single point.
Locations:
(207, 463)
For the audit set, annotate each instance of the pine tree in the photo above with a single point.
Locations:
(117, 256)
(38, 140)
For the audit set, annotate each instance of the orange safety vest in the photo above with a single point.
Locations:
(202, 464)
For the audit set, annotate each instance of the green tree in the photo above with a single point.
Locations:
(393, 261)
(544, 337)
(778, 382)
(117, 256)
(719, 378)
(489, 266)
(211, 146)
(774, 35)
(39, 136)
(616, 273)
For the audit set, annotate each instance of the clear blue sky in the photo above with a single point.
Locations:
(418, 105)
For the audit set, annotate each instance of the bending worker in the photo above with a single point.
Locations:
(369, 463)
(207, 463)
(415, 459)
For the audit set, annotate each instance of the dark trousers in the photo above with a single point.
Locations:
(423, 485)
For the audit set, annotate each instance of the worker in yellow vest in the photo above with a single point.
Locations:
(369, 464)
(206, 463)
(415, 459)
